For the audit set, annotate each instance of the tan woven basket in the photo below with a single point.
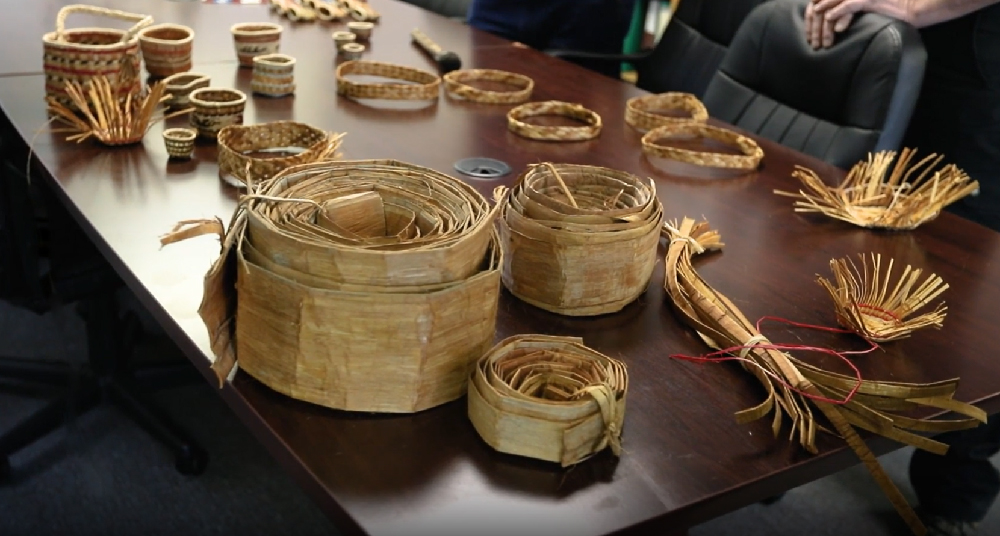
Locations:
(301, 293)
(166, 49)
(241, 148)
(586, 252)
(640, 111)
(549, 398)
(81, 54)
(456, 84)
(517, 124)
(424, 86)
(216, 108)
(749, 160)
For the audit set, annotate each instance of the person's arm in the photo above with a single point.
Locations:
(826, 17)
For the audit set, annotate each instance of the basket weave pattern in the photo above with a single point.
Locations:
(549, 398)
(236, 141)
(424, 85)
(749, 160)
(215, 109)
(517, 125)
(588, 253)
(456, 84)
(82, 54)
(639, 111)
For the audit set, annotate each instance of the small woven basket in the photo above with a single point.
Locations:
(216, 108)
(179, 142)
(180, 86)
(549, 398)
(591, 128)
(241, 148)
(457, 85)
(166, 49)
(579, 240)
(748, 160)
(82, 54)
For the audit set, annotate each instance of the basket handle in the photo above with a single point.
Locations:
(141, 21)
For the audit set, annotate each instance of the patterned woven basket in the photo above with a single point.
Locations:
(216, 108)
(238, 142)
(579, 240)
(81, 54)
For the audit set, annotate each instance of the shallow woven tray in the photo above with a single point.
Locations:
(238, 140)
(749, 160)
(639, 110)
(456, 84)
(425, 85)
(550, 398)
(516, 124)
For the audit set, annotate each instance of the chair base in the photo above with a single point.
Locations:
(107, 377)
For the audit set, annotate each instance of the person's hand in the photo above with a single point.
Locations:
(825, 18)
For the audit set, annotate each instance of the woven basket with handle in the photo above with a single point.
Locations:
(81, 54)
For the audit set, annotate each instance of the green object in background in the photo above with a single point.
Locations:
(636, 29)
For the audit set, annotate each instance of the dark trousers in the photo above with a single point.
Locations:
(582, 25)
(958, 116)
(962, 484)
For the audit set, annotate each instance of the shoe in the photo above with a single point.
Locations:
(940, 526)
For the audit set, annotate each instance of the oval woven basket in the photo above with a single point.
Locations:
(308, 326)
(402, 225)
(243, 148)
(579, 240)
(550, 398)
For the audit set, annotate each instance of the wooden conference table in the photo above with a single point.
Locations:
(685, 459)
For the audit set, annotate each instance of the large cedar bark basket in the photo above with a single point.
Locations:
(357, 285)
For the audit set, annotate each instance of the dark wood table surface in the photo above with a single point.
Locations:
(685, 459)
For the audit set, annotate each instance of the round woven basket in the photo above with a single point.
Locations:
(748, 160)
(549, 398)
(308, 326)
(579, 240)
(243, 148)
(216, 108)
(180, 86)
(517, 121)
(166, 49)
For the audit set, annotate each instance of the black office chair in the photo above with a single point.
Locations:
(837, 104)
(76, 273)
(690, 50)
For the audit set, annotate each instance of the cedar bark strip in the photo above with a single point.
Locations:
(721, 325)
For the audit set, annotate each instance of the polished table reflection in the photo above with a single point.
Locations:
(685, 461)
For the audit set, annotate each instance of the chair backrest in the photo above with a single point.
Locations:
(693, 45)
(836, 104)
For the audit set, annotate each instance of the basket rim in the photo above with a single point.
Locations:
(262, 28)
(145, 37)
(180, 134)
(276, 60)
(52, 40)
(171, 81)
(241, 98)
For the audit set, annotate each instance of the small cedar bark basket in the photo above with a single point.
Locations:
(238, 142)
(357, 285)
(749, 160)
(550, 398)
(82, 54)
(579, 240)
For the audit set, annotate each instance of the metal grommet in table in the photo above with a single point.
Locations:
(482, 168)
